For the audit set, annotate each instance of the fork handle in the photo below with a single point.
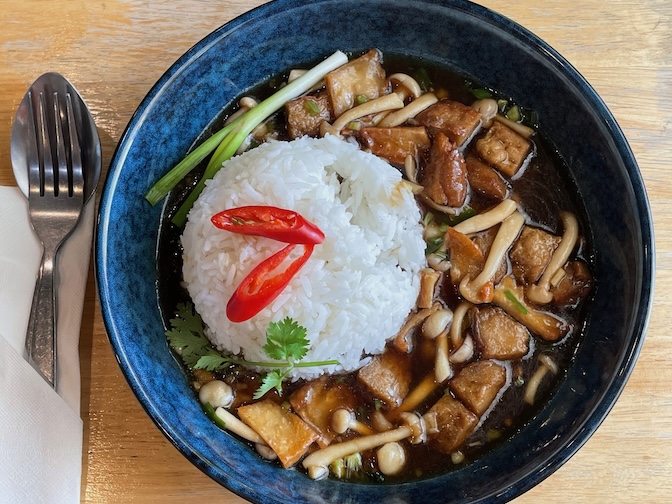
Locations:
(41, 335)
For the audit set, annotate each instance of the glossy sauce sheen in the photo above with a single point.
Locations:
(544, 190)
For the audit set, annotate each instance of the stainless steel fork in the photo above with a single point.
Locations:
(56, 199)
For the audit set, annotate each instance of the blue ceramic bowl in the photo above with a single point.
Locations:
(464, 37)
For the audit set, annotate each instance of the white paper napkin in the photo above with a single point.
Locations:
(40, 429)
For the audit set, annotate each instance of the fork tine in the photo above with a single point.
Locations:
(44, 146)
(32, 153)
(62, 184)
(75, 151)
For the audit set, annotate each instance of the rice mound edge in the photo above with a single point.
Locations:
(359, 285)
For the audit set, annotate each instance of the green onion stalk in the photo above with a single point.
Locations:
(226, 141)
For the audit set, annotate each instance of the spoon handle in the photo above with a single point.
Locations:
(41, 335)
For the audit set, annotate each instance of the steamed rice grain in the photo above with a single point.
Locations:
(358, 286)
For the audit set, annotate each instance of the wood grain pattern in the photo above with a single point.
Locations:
(114, 50)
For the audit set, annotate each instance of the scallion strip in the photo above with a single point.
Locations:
(511, 296)
(226, 142)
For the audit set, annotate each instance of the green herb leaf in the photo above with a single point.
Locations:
(286, 340)
(272, 380)
(186, 336)
(519, 306)
(212, 362)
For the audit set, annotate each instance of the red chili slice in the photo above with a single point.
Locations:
(263, 284)
(270, 222)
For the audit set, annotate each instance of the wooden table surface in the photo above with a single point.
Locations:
(114, 50)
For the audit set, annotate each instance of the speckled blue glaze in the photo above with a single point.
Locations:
(467, 38)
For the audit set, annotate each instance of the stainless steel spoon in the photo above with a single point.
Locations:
(55, 151)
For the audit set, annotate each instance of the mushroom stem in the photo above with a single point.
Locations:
(540, 293)
(325, 456)
(385, 102)
(508, 232)
(442, 368)
(400, 341)
(408, 82)
(519, 128)
(486, 220)
(234, 424)
(410, 168)
(343, 420)
(415, 397)
(458, 323)
(465, 352)
(409, 111)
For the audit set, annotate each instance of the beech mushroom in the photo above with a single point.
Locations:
(343, 420)
(401, 341)
(410, 168)
(472, 290)
(465, 352)
(415, 396)
(236, 425)
(519, 128)
(391, 458)
(407, 84)
(486, 220)
(546, 364)
(540, 293)
(409, 111)
(385, 102)
(317, 463)
(458, 323)
(488, 108)
(436, 327)
(217, 393)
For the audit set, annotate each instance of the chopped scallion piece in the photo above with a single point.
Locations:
(354, 125)
(429, 216)
(433, 244)
(311, 107)
(501, 105)
(511, 297)
(210, 412)
(513, 113)
(481, 93)
(361, 99)
(423, 79)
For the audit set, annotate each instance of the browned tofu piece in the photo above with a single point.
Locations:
(287, 435)
(485, 180)
(445, 176)
(306, 113)
(317, 400)
(483, 241)
(451, 424)
(575, 285)
(503, 148)
(499, 336)
(478, 383)
(454, 119)
(361, 77)
(387, 377)
(394, 144)
(466, 259)
(531, 253)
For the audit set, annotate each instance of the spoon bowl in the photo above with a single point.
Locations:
(23, 132)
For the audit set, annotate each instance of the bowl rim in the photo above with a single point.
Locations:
(522, 35)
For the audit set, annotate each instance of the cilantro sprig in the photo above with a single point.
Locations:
(286, 345)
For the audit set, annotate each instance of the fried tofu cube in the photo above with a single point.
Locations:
(485, 180)
(499, 336)
(454, 119)
(394, 144)
(284, 432)
(306, 113)
(531, 253)
(445, 176)
(478, 383)
(388, 377)
(450, 424)
(503, 148)
(362, 77)
(316, 401)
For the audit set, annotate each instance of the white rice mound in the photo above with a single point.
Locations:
(359, 285)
